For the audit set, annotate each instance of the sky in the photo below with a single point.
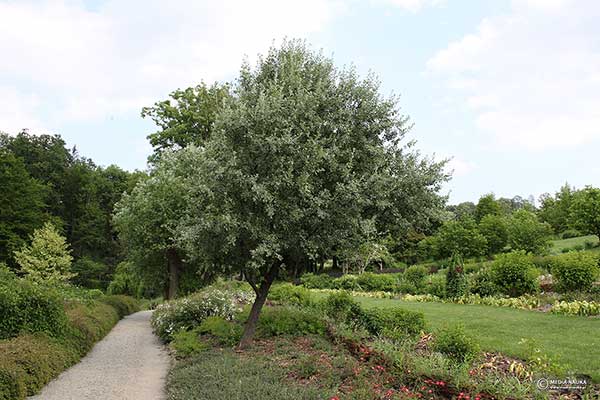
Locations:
(508, 90)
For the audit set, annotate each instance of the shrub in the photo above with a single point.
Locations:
(342, 306)
(514, 273)
(275, 321)
(435, 284)
(495, 231)
(482, 283)
(226, 332)
(415, 275)
(394, 323)
(570, 233)
(189, 312)
(455, 343)
(26, 307)
(90, 273)
(187, 343)
(346, 282)
(286, 293)
(32, 361)
(88, 324)
(456, 284)
(124, 305)
(312, 281)
(527, 233)
(575, 271)
(371, 282)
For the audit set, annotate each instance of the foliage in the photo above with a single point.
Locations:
(461, 237)
(371, 282)
(188, 117)
(526, 232)
(495, 230)
(487, 205)
(308, 161)
(124, 305)
(575, 271)
(514, 273)
(346, 282)
(455, 343)
(47, 259)
(456, 282)
(585, 210)
(189, 312)
(415, 275)
(585, 308)
(88, 324)
(435, 284)
(342, 307)
(125, 280)
(26, 307)
(226, 332)
(90, 274)
(188, 343)
(21, 205)
(275, 321)
(313, 281)
(483, 283)
(556, 210)
(286, 293)
(394, 323)
(570, 233)
(360, 257)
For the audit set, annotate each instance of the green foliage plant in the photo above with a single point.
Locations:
(456, 343)
(514, 273)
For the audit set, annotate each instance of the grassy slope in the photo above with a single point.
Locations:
(575, 340)
(558, 245)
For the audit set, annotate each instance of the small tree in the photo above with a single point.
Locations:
(495, 231)
(48, 258)
(461, 237)
(585, 210)
(526, 232)
(456, 283)
(487, 205)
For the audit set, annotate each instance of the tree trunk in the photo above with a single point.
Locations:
(175, 266)
(261, 297)
(334, 263)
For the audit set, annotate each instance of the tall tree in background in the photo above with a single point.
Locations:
(556, 210)
(585, 210)
(304, 159)
(487, 205)
(22, 207)
(188, 117)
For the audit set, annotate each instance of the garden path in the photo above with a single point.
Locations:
(128, 364)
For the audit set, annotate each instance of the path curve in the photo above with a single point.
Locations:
(128, 364)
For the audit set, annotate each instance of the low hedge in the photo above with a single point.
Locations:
(30, 360)
(124, 305)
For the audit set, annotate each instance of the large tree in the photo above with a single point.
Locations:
(305, 160)
(22, 207)
(585, 210)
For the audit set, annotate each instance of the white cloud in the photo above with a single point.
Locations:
(531, 77)
(414, 5)
(79, 64)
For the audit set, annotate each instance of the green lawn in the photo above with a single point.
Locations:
(575, 340)
(558, 245)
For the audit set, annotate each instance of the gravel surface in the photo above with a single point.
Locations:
(128, 364)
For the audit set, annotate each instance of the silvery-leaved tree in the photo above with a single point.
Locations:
(47, 259)
(304, 160)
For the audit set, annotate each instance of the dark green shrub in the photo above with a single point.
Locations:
(286, 293)
(394, 323)
(407, 287)
(514, 273)
(370, 282)
(88, 324)
(124, 305)
(26, 307)
(275, 321)
(226, 332)
(575, 271)
(187, 343)
(482, 283)
(456, 283)
(346, 282)
(570, 233)
(435, 284)
(312, 281)
(342, 307)
(415, 275)
(455, 343)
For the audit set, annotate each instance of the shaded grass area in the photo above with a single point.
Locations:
(559, 245)
(572, 340)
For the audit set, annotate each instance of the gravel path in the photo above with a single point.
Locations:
(128, 364)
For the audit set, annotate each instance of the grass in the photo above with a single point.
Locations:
(559, 245)
(574, 341)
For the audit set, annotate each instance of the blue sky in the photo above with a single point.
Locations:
(510, 89)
